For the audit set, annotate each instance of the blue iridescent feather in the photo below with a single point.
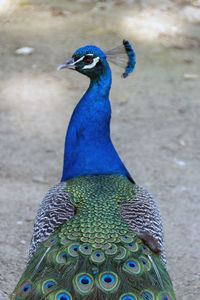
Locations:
(131, 59)
(88, 146)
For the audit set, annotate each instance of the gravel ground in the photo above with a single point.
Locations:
(155, 120)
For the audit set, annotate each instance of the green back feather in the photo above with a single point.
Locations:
(95, 255)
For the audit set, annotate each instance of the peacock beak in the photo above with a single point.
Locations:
(70, 64)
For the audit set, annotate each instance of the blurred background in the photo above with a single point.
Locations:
(155, 115)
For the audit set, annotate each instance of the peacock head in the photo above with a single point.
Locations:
(88, 60)
(92, 61)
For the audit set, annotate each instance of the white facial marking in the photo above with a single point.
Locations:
(75, 62)
(93, 64)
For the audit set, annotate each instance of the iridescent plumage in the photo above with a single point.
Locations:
(95, 254)
(97, 234)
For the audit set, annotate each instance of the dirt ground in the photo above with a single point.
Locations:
(155, 115)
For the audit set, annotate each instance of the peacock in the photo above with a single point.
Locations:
(97, 234)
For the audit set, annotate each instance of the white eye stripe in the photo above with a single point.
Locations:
(82, 57)
(93, 64)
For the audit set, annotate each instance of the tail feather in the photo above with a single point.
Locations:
(95, 255)
(62, 272)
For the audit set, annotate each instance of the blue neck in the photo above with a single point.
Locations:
(88, 147)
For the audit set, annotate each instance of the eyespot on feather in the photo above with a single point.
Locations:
(128, 296)
(146, 263)
(85, 249)
(132, 266)
(63, 295)
(133, 247)
(97, 257)
(83, 283)
(25, 289)
(108, 282)
(126, 239)
(50, 242)
(47, 285)
(72, 249)
(61, 257)
(147, 295)
(146, 250)
(164, 296)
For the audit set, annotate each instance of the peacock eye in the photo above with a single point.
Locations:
(88, 60)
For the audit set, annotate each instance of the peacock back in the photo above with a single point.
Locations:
(96, 254)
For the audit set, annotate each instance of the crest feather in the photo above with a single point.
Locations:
(123, 56)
